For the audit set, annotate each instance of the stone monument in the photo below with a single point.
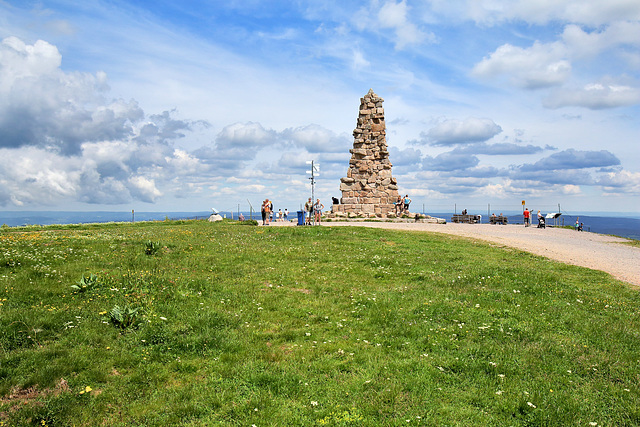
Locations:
(369, 189)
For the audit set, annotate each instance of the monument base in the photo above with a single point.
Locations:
(367, 210)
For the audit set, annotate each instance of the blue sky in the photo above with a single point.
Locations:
(183, 106)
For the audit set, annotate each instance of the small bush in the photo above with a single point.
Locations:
(86, 284)
(124, 317)
(248, 222)
(151, 248)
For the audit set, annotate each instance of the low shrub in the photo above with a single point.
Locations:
(151, 248)
(124, 317)
(86, 284)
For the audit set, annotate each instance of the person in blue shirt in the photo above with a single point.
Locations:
(407, 202)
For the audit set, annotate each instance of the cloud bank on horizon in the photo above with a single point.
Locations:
(162, 106)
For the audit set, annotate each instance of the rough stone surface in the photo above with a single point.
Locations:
(369, 187)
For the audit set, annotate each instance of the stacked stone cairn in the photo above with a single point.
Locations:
(369, 189)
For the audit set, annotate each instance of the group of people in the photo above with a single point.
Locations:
(527, 218)
(402, 204)
(313, 210)
(268, 213)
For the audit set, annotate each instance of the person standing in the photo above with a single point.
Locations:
(308, 207)
(263, 211)
(399, 205)
(286, 214)
(317, 210)
(407, 202)
(268, 206)
(527, 217)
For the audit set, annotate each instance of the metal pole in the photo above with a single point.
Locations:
(251, 209)
(313, 195)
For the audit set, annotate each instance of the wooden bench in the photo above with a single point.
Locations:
(465, 219)
(498, 220)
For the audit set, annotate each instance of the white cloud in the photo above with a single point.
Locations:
(581, 43)
(144, 189)
(395, 17)
(249, 135)
(35, 176)
(20, 60)
(541, 65)
(316, 139)
(594, 96)
(539, 12)
(620, 182)
(453, 131)
(40, 105)
(359, 60)
(183, 163)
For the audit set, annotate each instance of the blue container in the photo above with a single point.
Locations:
(300, 217)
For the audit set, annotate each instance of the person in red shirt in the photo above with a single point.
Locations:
(527, 217)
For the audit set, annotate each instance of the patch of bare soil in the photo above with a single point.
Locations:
(29, 396)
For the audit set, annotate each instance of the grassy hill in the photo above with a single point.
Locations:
(196, 323)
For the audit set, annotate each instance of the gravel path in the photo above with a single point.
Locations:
(591, 250)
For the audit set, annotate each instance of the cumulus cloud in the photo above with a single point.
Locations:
(500, 149)
(550, 65)
(42, 106)
(144, 189)
(316, 139)
(454, 132)
(235, 145)
(395, 17)
(573, 159)
(620, 182)
(541, 65)
(582, 43)
(449, 161)
(461, 185)
(62, 139)
(595, 96)
(405, 157)
(480, 172)
(560, 176)
(248, 135)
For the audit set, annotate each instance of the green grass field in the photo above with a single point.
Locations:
(202, 324)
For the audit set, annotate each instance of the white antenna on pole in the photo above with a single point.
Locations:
(315, 168)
